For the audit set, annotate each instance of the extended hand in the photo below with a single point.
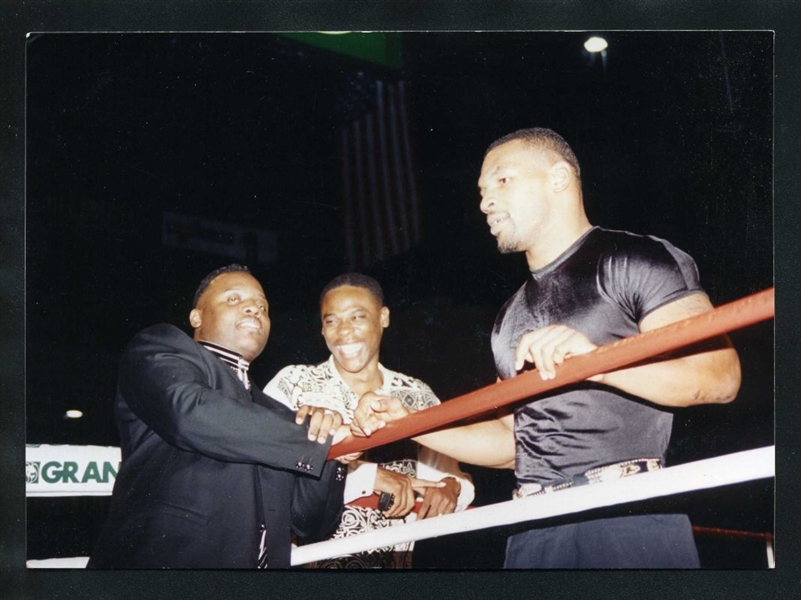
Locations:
(550, 346)
(349, 458)
(343, 433)
(322, 422)
(440, 501)
(402, 487)
(374, 412)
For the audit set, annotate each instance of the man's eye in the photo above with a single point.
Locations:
(233, 299)
(503, 180)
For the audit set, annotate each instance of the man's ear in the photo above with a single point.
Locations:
(384, 317)
(194, 318)
(561, 175)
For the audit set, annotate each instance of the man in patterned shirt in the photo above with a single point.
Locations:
(418, 480)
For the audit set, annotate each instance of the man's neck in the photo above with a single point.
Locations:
(367, 380)
(547, 249)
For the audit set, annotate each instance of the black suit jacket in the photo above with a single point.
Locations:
(204, 462)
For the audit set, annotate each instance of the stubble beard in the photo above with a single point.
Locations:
(508, 246)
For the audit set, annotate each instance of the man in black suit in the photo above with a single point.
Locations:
(214, 473)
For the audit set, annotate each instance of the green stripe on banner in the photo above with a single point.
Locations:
(381, 48)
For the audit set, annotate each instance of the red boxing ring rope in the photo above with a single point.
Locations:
(728, 317)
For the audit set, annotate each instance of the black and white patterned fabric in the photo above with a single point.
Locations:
(321, 385)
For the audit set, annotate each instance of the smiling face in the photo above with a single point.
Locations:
(353, 323)
(515, 186)
(232, 312)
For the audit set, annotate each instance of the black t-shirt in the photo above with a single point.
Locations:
(602, 286)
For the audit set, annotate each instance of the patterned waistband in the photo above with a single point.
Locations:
(592, 476)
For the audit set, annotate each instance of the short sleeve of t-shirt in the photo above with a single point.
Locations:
(644, 273)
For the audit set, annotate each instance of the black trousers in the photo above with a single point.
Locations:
(629, 542)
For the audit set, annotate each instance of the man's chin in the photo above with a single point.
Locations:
(507, 248)
(252, 351)
(507, 242)
(350, 365)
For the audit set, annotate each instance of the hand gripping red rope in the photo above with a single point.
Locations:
(735, 315)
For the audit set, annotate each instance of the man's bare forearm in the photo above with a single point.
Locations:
(485, 443)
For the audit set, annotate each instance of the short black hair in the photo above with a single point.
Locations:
(541, 137)
(356, 280)
(232, 268)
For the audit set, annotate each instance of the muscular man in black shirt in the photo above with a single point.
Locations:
(587, 287)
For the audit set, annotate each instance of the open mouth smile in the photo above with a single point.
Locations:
(350, 350)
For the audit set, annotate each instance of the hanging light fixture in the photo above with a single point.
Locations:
(595, 44)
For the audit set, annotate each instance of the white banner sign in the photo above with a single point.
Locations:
(70, 470)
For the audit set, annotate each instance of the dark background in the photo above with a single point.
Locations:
(673, 132)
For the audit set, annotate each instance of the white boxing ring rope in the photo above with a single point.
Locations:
(713, 472)
(724, 470)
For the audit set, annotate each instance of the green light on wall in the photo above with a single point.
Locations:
(381, 48)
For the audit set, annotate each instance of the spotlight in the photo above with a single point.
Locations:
(595, 44)
(73, 414)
